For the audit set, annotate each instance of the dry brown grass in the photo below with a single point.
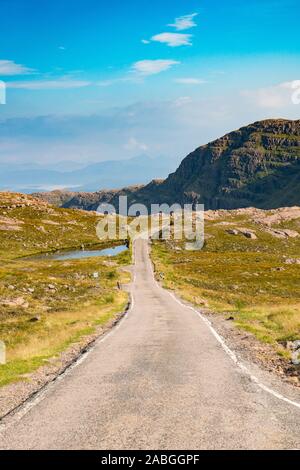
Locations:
(247, 279)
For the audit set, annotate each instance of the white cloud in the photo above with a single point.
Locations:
(113, 81)
(173, 39)
(145, 41)
(48, 84)
(184, 22)
(9, 67)
(134, 144)
(276, 96)
(296, 92)
(105, 83)
(182, 101)
(168, 127)
(152, 67)
(190, 81)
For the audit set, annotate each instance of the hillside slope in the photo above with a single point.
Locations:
(49, 306)
(257, 165)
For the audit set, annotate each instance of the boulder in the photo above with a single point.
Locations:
(35, 319)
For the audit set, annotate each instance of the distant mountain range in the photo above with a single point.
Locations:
(257, 165)
(66, 175)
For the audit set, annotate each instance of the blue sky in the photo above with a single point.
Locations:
(92, 80)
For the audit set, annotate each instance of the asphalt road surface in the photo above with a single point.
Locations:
(160, 380)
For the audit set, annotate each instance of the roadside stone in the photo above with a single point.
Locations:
(200, 301)
(50, 222)
(296, 358)
(35, 319)
(249, 234)
(291, 233)
(18, 302)
(293, 345)
(242, 231)
(292, 261)
(233, 231)
(285, 233)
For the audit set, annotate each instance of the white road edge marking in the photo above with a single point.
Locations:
(228, 351)
(31, 403)
(39, 396)
(43, 393)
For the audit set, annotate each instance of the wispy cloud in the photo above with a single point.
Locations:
(182, 101)
(113, 81)
(167, 127)
(134, 144)
(190, 81)
(173, 39)
(9, 67)
(176, 39)
(48, 84)
(273, 97)
(184, 22)
(105, 83)
(152, 67)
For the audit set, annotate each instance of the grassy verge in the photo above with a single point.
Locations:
(47, 305)
(248, 279)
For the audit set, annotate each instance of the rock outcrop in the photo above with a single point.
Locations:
(255, 166)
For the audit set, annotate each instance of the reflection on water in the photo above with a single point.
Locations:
(80, 254)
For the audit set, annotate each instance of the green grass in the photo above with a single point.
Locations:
(245, 278)
(78, 304)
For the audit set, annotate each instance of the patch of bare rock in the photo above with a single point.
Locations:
(251, 349)
(285, 233)
(243, 231)
(276, 216)
(292, 261)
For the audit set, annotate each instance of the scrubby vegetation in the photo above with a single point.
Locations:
(256, 281)
(46, 305)
(257, 165)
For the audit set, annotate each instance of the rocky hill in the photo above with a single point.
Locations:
(29, 225)
(257, 165)
(41, 301)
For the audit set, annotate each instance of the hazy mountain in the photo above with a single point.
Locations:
(107, 174)
(257, 165)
